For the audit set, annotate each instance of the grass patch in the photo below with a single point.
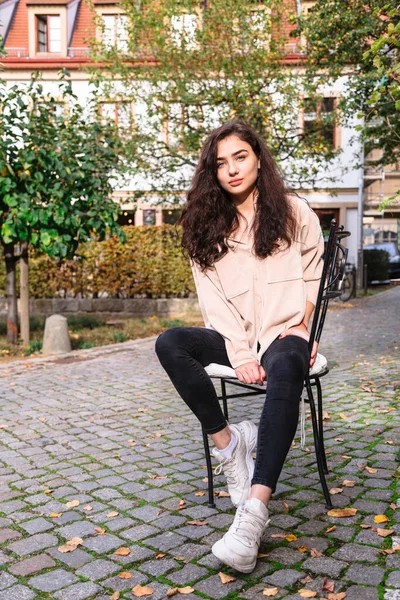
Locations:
(87, 331)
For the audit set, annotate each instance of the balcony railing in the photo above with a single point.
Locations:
(16, 52)
(78, 52)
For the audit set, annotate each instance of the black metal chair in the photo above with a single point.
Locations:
(335, 257)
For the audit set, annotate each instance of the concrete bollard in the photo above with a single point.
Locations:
(56, 338)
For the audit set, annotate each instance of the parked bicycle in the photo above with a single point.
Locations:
(349, 283)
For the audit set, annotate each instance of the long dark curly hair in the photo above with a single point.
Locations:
(210, 217)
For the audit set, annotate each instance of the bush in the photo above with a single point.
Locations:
(77, 322)
(149, 264)
(378, 265)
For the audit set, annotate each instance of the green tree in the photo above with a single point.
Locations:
(360, 38)
(57, 166)
(188, 67)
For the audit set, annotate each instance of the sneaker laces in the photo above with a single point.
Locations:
(229, 470)
(246, 526)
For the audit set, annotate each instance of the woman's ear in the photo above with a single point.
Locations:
(259, 164)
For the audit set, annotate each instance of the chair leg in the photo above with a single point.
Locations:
(321, 425)
(322, 479)
(224, 402)
(211, 501)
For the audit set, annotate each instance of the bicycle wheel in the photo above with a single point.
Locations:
(347, 287)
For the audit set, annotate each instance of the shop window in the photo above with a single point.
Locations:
(149, 217)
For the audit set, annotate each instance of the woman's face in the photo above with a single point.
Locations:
(237, 167)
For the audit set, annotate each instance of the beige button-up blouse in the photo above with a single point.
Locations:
(250, 301)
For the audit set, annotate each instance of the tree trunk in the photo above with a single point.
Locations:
(11, 291)
(24, 293)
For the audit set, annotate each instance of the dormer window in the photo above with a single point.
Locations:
(115, 31)
(48, 33)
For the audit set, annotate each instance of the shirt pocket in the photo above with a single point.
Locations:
(284, 265)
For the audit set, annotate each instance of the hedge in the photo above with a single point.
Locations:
(150, 264)
(378, 264)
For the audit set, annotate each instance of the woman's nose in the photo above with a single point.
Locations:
(233, 169)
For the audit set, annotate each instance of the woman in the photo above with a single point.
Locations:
(255, 252)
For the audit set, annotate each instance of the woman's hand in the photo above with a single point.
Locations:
(250, 372)
(302, 331)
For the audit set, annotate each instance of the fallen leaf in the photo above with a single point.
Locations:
(339, 439)
(285, 507)
(198, 523)
(125, 575)
(162, 510)
(307, 593)
(186, 590)
(55, 515)
(115, 596)
(330, 529)
(326, 415)
(384, 532)
(122, 551)
(3, 426)
(160, 555)
(113, 513)
(339, 596)
(371, 469)
(278, 535)
(222, 494)
(328, 585)
(226, 578)
(73, 503)
(139, 591)
(48, 491)
(172, 592)
(290, 537)
(261, 555)
(365, 526)
(270, 591)
(346, 456)
(381, 519)
(71, 545)
(100, 530)
(199, 493)
(342, 512)
(88, 507)
(315, 553)
(334, 491)
(302, 548)
(306, 580)
(205, 479)
(343, 416)
(393, 506)
(348, 483)
(389, 442)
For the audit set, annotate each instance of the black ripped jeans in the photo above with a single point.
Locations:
(185, 351)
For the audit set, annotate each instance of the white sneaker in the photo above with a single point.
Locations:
(239, 546)
(239, 468)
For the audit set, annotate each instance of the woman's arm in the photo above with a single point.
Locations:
(221, 316)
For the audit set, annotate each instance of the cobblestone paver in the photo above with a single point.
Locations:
(98, 446)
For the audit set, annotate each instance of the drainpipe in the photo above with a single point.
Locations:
(360, 213)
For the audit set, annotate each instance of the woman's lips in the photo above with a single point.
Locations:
(235, 182)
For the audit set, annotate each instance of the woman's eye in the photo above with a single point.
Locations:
(219, 165)
(242, 157)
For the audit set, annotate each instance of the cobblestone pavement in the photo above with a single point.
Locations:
(99, 446)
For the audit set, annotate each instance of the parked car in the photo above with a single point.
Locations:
(394, 256)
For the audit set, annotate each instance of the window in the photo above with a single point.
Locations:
(171, 216)
(149, 217)
(115, 32)
(127, 217)
(120, 113)
(318, 121)
(184, 28)
(48, 33)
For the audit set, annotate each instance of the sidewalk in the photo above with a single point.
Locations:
(105, 431)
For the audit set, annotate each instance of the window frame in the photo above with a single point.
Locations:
(337, 130)
(34, 12)
(108, 11)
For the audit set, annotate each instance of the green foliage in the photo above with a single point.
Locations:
(378, 264)
(227, 62)
(55, 169)
(150, 263)
(361, 38)
(78, 322)
(34, 346)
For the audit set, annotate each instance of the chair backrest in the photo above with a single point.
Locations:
(335, 258)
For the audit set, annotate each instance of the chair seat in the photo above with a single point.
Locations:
(319, 368)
